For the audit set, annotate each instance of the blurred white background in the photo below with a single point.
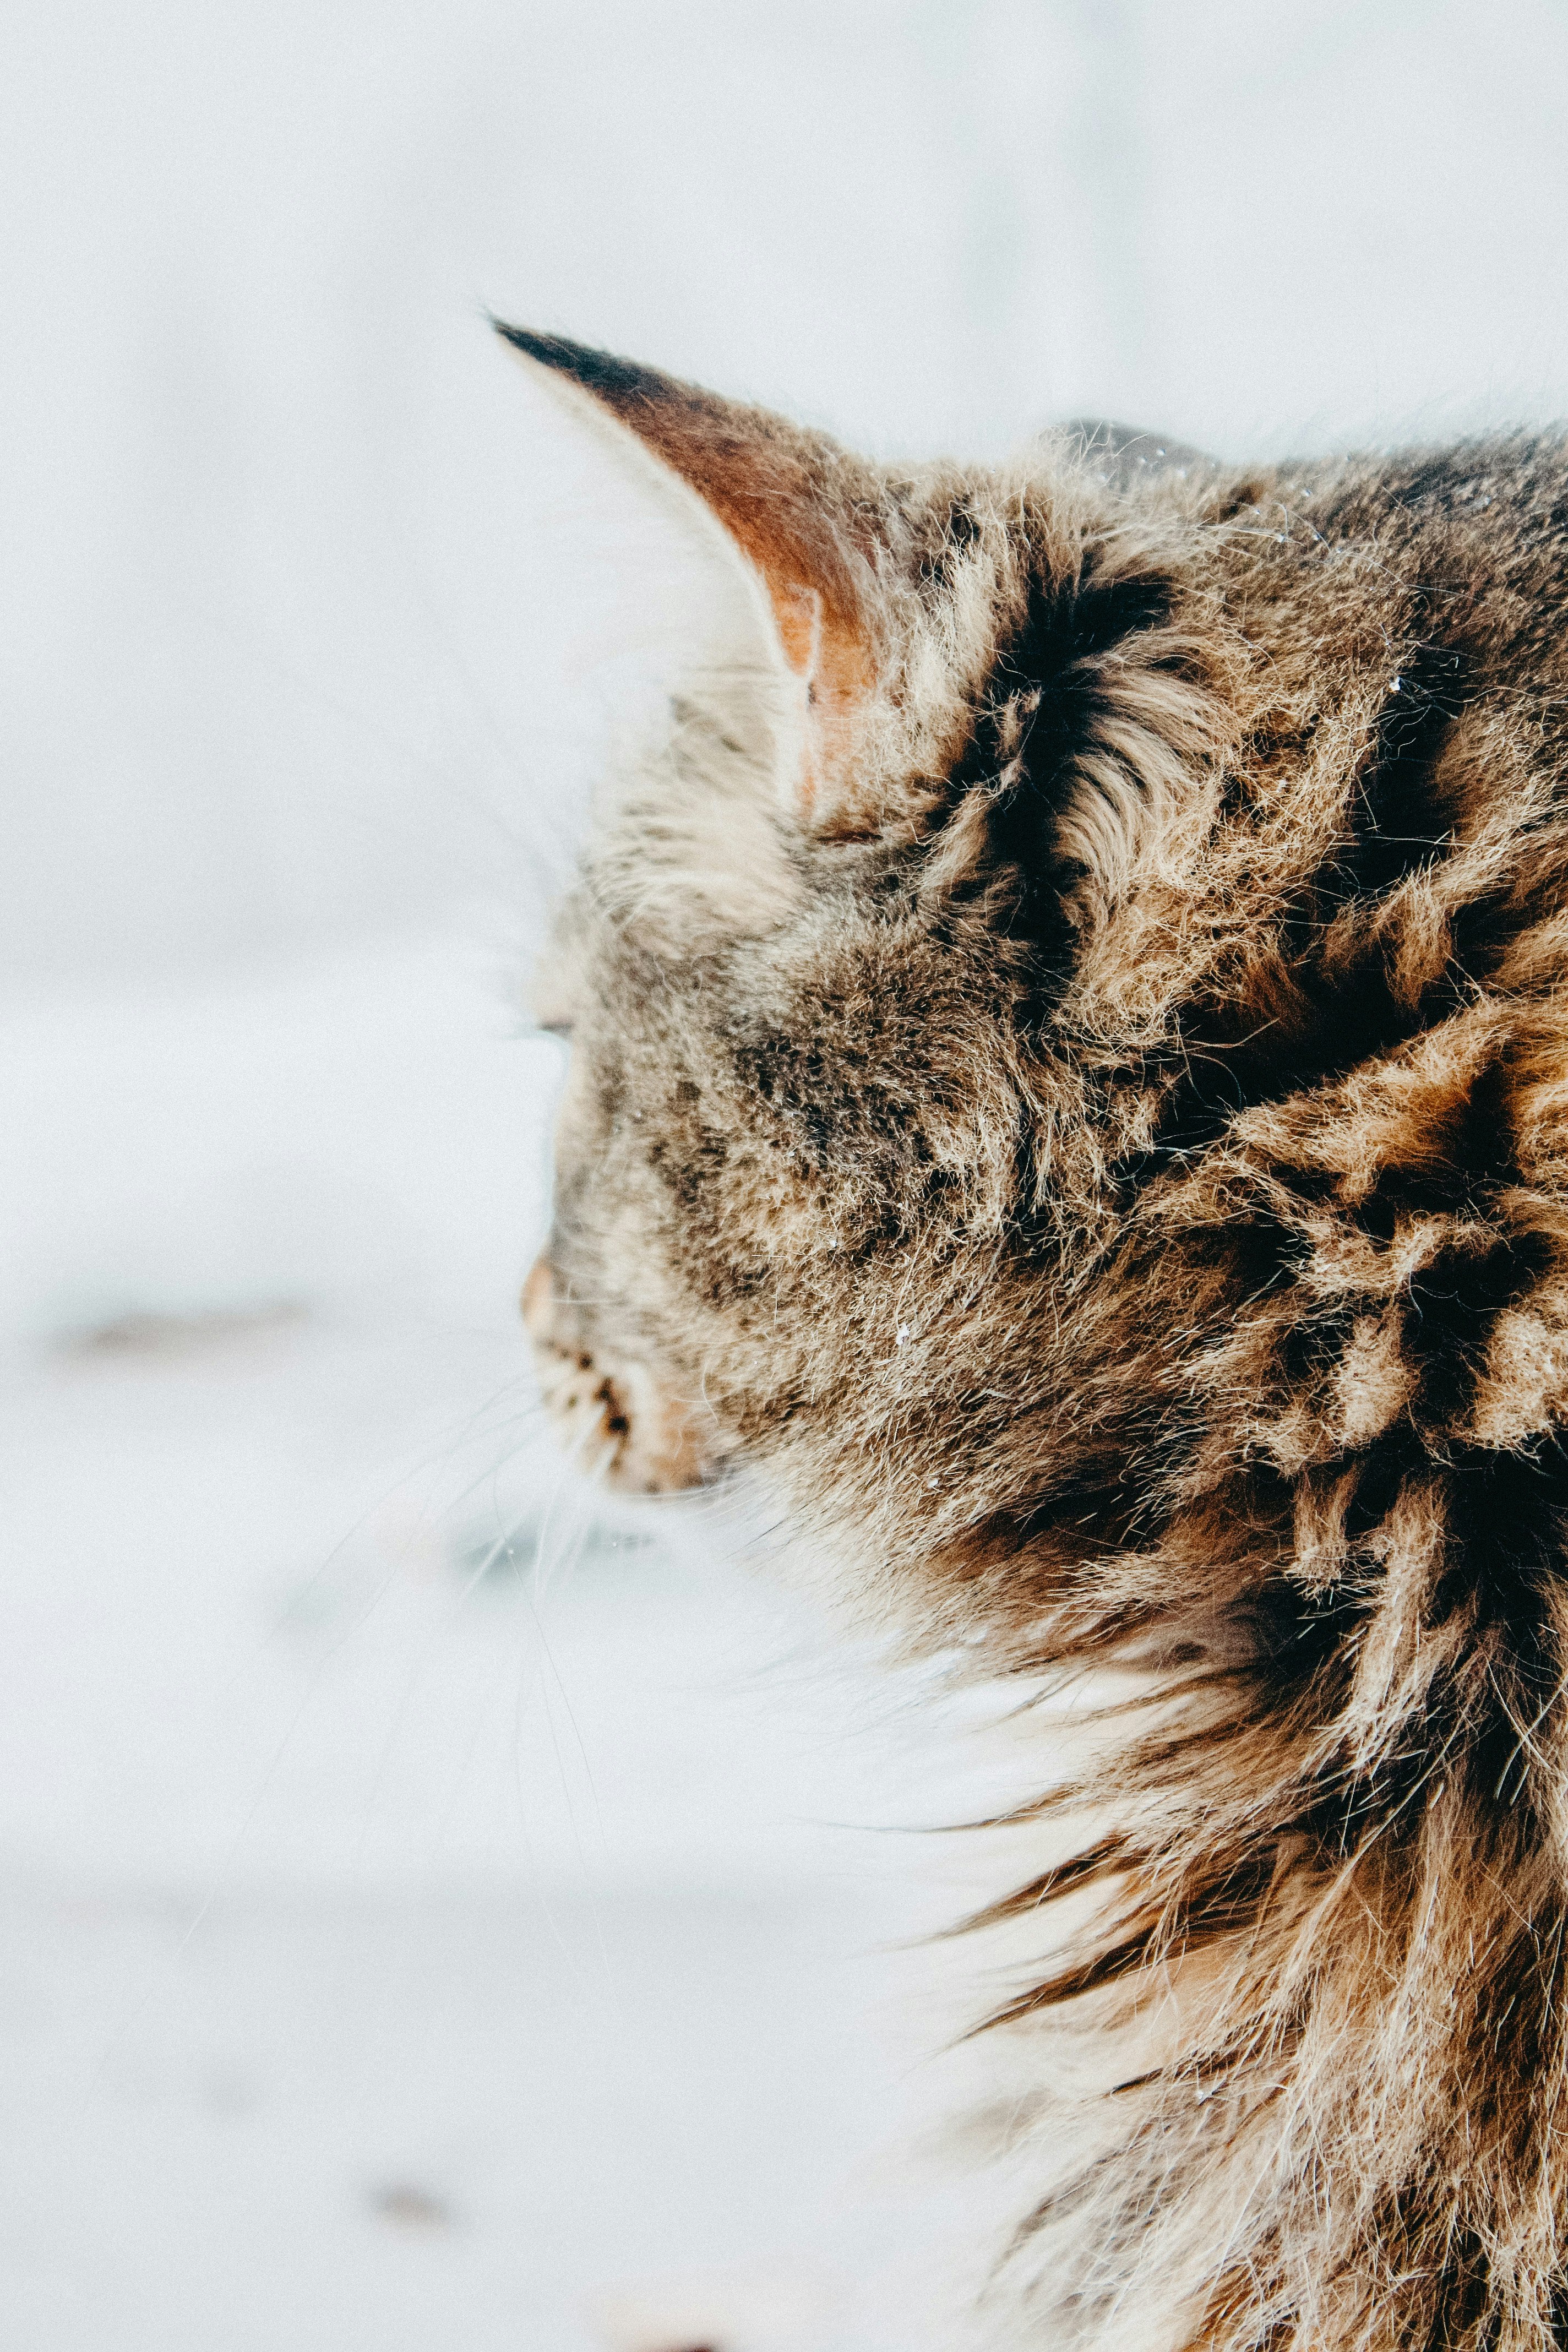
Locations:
(423, 1918)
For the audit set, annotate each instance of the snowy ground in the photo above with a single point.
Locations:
(502, 2117)
(428, 1912)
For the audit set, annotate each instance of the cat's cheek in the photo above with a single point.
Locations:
(663, 1452)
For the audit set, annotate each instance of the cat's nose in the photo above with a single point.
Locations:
(538, 1299)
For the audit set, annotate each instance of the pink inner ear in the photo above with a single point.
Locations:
(798, 611)
(834, 661)
(795, 503)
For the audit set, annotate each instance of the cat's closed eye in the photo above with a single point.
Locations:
(551, 1000)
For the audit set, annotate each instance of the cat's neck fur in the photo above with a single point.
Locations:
(1072, 1083)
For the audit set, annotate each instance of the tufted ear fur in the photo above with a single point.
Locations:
(794, 506)
(997, 662)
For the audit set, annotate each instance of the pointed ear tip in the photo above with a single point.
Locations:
(552, 349)
(619, 383)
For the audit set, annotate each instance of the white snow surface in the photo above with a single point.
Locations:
(433, 1910)
(431, 1907)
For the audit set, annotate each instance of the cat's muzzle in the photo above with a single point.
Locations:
(611, 1416)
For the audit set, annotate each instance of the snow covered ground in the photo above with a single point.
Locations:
(427, 1906)
(431, 1911)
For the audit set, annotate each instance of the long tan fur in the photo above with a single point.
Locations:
(1089, 1126)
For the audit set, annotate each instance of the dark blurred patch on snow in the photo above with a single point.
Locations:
(521, 1549)
(152, 1337)
(406, 2206)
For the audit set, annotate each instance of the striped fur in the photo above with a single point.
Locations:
(1108, 1169)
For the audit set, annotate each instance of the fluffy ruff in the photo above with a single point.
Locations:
(1320, 1323)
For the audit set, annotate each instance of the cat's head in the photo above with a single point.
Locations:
(822, 1142)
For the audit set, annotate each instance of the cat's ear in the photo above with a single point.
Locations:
(797, 509)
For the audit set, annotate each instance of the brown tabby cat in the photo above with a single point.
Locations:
(1070, 1084)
